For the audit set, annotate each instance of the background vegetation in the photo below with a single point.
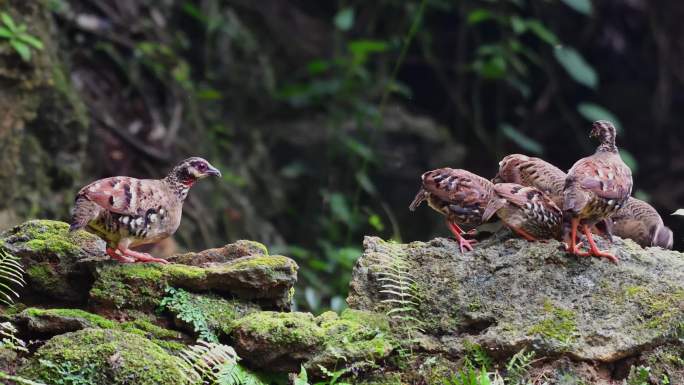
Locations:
(323, 114)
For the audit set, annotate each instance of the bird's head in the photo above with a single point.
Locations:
(191, 170)
(605, 132)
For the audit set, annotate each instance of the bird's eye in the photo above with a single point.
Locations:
(202, 167)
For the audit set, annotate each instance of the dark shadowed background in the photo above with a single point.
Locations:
(323, 114)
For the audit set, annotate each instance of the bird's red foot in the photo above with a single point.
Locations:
(137, 256)
(466, 244)
(594, 250)
(524, 234)
(121, 258)
(463, 243)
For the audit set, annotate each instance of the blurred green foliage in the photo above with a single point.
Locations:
(293, 107)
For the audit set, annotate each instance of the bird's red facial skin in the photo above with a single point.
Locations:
(188, 182)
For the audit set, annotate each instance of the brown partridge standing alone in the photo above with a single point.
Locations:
(128, 212)
(525, 210)
(641, 222)
(596, 188)
(458, 194)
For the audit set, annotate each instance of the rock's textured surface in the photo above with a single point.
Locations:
(55, 261)
(267, 280)
(100, 356)
(284, 341)
(226, 253)
(511, 294)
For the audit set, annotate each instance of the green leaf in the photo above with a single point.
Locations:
(492, 68)
(575, 65)
(4, 32)
(521, 139)
(344, 19)
(7, 19)
(22, 49)
(30, 40)
(581, 6)
(519, 26)
(362, 48)
(542, 32)
(629, 160)
(479, 15)
(340, 208)
(317, 66)
(593, 112)
(209, 94)
(302, 378)
(376, 222)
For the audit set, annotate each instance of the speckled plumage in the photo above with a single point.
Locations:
(128, 212)
(596, 187)
(458, 194)
(529, 171)
(526, 210)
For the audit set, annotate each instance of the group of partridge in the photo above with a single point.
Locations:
(538, 201)
(534, 198)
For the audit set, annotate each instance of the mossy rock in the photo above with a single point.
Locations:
(284, 341)
(106, 357)
(229, 252)
(56, 261)
(510, 294)
(35, 323)
(192, 311)
(265, 279)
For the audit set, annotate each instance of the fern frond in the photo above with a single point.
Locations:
(11, 274)
(205, 360)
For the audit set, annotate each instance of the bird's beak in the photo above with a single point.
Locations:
(213, 171)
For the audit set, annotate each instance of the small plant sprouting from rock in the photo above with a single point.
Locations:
(215, 364)
(518, 366)
(8, 339)
(400, 290)
(71, 374)
(516, 369)
(11, 274)
(180, 302)
(639, 375)
(18, 38)
(332, 377)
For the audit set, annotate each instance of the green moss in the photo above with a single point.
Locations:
(661, 309)
(93, 320)
(266, 262)
(115, 357)
(44, 278)
(559, 324)
(299, 329)
(139, 286)
(148, 329)
(46, 236)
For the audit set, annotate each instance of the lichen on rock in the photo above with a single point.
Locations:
(511, 294)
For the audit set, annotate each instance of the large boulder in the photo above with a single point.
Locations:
(511, 294)
(106, 357)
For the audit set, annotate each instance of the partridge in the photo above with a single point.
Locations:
(459, 195)
(596, 188)
(128, 212)
(529, 171)
(641, 222)
(526, 210)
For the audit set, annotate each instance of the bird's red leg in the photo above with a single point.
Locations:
(571, 246)
(594, 250)
(121, 258)
(140, 257)
(524, 234)
(462, 242)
